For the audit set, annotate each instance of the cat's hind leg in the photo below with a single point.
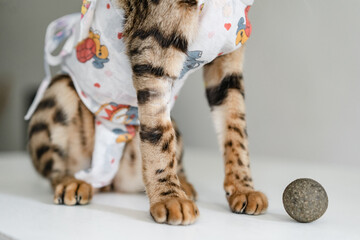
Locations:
(61, 138)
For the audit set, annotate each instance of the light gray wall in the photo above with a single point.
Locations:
(302, 77)
(22, 31)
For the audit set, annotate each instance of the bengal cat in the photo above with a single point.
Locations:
(157, 34)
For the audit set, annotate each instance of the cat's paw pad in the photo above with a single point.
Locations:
(72, 192)
(175, 211)
(252, 202)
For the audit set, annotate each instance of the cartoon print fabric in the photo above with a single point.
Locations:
(90, 48)
(94, 55)
(192, 62)
(84, 7)
(115, 125)
(244, 30)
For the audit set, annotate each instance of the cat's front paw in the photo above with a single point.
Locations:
(248, 202)
(188, 188)
(72, 191)
(175, 211)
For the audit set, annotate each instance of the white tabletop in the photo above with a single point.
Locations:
(27, 212)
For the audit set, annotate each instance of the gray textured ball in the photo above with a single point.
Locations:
(305, 200)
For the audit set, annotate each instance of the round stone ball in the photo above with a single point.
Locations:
(305, 200)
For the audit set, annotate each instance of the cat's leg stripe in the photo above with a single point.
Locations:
(217, 94)
(39, 127)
